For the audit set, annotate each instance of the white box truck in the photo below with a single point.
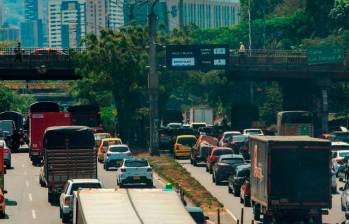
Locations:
(199, 115)
(129, 206)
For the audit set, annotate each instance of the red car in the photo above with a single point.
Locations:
(214, 155)
(245, 193)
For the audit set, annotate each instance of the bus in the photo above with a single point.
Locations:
(295, 123)
(41, 116)
(17, 136)
(86, 115)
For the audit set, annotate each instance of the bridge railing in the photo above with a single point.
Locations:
(33, 57)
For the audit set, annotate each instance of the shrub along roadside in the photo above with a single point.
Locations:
(173, 172)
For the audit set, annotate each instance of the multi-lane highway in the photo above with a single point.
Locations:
(27, 201)
(233, 205)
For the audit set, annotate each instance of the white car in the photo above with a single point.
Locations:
(337, 146)
(115, 156)
(66, 198)
(135, 172)
(339, 155)
(254, 131)
(228, 135)
(174, 125)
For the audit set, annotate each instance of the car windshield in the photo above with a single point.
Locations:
(6, 126)
(232, 160)
(118, 149)
(97, 137)
(187, 141)
(343, 154)
(220, 152)
(254, 132)
(239, 138)
(136, 163)
(197, 126)
(78, 186)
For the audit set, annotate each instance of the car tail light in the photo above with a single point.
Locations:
(149, 169)
(177, 147)
(123, 170)
(338, 160)
(2, 198)
(162, 135)
(222, 164)
(6, 151)
(67, 201)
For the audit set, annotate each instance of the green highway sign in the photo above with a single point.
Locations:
(325, 54)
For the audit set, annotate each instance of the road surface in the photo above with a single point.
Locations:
(233, 205)
(27, 201)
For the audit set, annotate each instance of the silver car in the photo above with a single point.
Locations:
(115, 155)
(66, 198)
(345, 199)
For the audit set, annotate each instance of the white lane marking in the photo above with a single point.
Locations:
(27, 183)
(30, 197)
(23, 165)
(33, 214)
(25, 173)
(231, 214)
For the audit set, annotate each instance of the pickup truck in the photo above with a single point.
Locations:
(290, 178)
(69, 154)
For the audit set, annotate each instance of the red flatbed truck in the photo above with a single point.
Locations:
(42, 116)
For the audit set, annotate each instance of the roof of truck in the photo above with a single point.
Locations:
(133, 206)
(288, 138)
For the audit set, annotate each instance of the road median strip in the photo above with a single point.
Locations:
(171, 171)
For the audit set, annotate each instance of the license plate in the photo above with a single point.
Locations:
(136, 178)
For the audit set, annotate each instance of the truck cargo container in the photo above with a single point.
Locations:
(69, 154)
(129, 206)
(199, 115)
(290, 178)
(295, 123)
(43, 115)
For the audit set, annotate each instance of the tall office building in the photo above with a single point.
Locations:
(107, 14)
(1, 14)
(9, 33)
(66, 23)
(206, 14)
(32, 29)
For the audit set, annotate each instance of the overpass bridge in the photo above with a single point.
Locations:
(37, 64)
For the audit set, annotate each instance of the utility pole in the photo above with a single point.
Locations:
(153, 85)
(249, 27)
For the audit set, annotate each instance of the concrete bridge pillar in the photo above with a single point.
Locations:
(308, 95)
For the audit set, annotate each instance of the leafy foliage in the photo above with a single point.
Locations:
(10, 100)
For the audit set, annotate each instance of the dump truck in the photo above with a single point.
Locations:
(69, 154)
(133, 206)
(290, 178)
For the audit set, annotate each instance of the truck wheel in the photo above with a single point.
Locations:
(247, 202)
(206, 168)
(236, 192)
(217, 181)
(150, 184)
(195, 163)
(229, 190)
(41, 182)
(256, 212)
(242, 201)
(50, 198)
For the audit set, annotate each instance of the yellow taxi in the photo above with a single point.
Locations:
(100, 136)
(103, 147)
(183, 145)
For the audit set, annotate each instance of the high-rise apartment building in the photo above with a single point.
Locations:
(206, 14)
(66, 23)
(9, 33)
(1, 14)
(104, 14)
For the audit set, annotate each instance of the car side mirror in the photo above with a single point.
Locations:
(207, 218)
(5, 191)
(341, 188)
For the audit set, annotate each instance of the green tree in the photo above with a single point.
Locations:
(10, 100)
(340, 14)
(113, 69)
